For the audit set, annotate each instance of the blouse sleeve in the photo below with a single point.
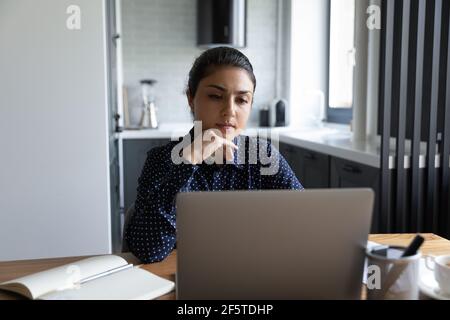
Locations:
(151, 231)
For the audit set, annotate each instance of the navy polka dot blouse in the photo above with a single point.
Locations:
(151, 231)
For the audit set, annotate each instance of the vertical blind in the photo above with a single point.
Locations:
(415, 114)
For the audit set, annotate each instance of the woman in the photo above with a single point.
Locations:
(220, 95)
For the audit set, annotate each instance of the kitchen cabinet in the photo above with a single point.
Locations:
(311, 168)
(290, 153)
(318, 170)
(349, 174)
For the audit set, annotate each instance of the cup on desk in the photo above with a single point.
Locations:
(441, 267)
(391, 276)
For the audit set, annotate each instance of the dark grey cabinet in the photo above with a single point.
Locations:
(311, 168)
(134, 156)
(290, 153)
(349, 174)
(318, 170)
(315, 170)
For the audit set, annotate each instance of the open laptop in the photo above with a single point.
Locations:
(277, 244)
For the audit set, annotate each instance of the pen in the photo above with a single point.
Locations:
(413, 246)
(121, 268)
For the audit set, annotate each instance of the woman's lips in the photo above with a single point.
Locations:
(225, 127)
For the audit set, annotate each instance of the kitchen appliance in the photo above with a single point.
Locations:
(148, 115)
(277, 110)
(221, 22)
(85, 186)
(264, 116)
(280, 113)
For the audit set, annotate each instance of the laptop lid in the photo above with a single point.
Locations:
(277, 244)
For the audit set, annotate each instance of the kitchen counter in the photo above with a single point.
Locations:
(339, 143)
(331, 139)
(176, 130)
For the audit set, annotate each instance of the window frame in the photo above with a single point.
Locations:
(334, 115)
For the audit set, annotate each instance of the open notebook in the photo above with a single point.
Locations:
(107, 277)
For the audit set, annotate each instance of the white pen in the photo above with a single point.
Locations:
(127, 266)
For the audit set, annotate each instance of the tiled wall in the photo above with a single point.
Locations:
(159, 42)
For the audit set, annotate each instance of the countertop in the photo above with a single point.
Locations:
(332, 139)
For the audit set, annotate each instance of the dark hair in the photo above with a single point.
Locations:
(210, 59)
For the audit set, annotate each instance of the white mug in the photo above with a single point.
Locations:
(441, 268)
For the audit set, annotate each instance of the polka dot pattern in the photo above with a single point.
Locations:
(151, 231)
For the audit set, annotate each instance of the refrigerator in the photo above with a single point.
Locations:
(58, 156)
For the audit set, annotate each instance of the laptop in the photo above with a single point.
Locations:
(277, 244)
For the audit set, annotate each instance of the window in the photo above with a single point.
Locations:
(322, 61)
(341, 60)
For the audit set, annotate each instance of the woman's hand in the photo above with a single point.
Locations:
(206, 145)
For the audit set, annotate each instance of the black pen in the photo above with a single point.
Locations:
(413, 246)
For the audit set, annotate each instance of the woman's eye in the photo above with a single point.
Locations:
(214, 96)
(242, 101)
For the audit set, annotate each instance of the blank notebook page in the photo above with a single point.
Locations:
(130, 284)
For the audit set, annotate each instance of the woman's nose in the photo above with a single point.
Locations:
(229, 107)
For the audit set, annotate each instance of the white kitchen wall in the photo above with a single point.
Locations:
(159, 42)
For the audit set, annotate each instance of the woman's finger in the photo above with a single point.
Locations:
(229, 143)
(209, 149)
(229, 153)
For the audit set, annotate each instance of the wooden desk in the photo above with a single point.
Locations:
(433, 245)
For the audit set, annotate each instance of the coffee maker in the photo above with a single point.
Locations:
(275, 114)
(148, 115)
(280, 112)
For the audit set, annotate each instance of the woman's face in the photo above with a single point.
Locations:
(223, 101)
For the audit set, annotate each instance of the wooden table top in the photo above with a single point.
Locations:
(433, 245)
